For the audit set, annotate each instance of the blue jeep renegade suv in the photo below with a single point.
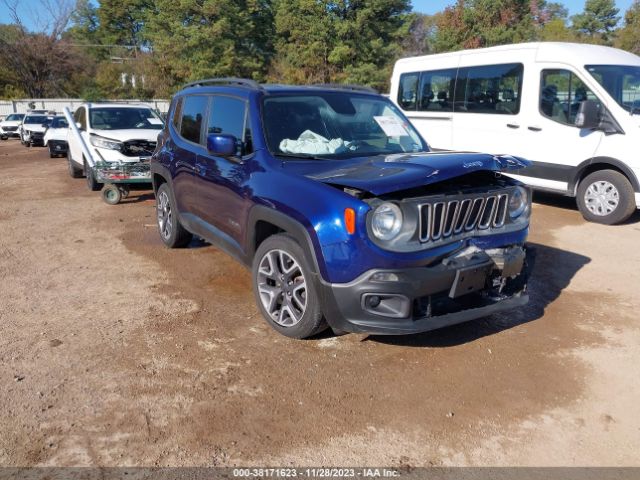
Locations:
(344, 215)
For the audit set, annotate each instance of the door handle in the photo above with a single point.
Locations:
(513, 125)
(535, 129)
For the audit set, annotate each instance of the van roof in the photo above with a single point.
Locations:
(579, 53)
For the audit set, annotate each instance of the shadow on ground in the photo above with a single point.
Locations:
(554, 268)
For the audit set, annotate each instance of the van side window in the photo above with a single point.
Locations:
(408, 91)
(177, 113)
(227, 115)
(193, 112)
(493, 89)
(561, 93)
(436, 90)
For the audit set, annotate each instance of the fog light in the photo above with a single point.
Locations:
(373, 301)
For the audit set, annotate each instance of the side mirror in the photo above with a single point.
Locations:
(222, 144)
(588, 115)
(79, 125)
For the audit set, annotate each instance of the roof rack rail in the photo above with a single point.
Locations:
(244, 82)
(347, 86)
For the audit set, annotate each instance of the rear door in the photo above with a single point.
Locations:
(188, 144)
(426, 98)
(220, 180)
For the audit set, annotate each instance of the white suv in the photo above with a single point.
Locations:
(9, 126)
(113, 133)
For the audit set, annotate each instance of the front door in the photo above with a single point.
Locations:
(221, 180)
(550, 138)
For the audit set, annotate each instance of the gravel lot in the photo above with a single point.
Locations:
(117, 351)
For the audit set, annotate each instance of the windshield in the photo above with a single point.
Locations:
(622, 82)
(59, 122)
(336, 125)
(36, 119)
(14, 117)
(125, 118)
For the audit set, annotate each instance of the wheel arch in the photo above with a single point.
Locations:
(602, 163)
(264, 222)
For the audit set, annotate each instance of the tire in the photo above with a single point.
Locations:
(171, 231)
(92, 184)
(74, 172)
(111, 195)
(606, 197)
(285, 289)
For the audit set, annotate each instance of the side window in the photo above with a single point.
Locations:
(228, 115)
(561, 93)
(408, 91)
(177, 113)
(81, 118)
(193, 112)
(436, 90)
(492, 89)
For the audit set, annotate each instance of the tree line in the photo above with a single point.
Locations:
(148, 48)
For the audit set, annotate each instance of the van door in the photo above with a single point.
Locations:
(488, 107)
(550, 138)
(426, 98)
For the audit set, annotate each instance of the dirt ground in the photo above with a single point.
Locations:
(117, 351)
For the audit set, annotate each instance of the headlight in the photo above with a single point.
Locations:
(102, 142)
(518, 202)
(386, 221)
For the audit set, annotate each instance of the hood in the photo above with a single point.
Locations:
(126, 135)
(385, 174)
(10, 123)
(33, 127)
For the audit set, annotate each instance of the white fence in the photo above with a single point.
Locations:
(57, 104)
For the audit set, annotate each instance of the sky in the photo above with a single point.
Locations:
(27, 7)
(574, 6)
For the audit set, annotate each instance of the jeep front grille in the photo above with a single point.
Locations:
(449, 217)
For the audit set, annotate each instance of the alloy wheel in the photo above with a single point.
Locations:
(165, 220)
(282, 288)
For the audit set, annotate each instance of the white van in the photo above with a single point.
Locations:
(573, 110)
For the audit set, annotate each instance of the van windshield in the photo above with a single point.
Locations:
(622, 82)
(336, 125)
(15, 117)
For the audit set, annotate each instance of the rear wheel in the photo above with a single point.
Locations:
(284, 288)
(93, 185)
(172, 233)
(606, 197)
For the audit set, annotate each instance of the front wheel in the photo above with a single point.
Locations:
(92, 184)
(606, 197)
(74, 172)
(284, 288)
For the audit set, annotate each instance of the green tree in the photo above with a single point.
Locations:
(629, 35)
(194, 39)
(484, 23)
(353, 41)
(598, 21)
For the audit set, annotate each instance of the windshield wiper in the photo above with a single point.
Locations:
(301, 156)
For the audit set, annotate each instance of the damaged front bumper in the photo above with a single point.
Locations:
(470, 284)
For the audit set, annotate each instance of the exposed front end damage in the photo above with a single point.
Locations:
(458, 255)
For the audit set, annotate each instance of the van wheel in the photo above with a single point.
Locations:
(74, 172)
(172, 233)
(93, 185)
(606, 197)
(284, 288)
